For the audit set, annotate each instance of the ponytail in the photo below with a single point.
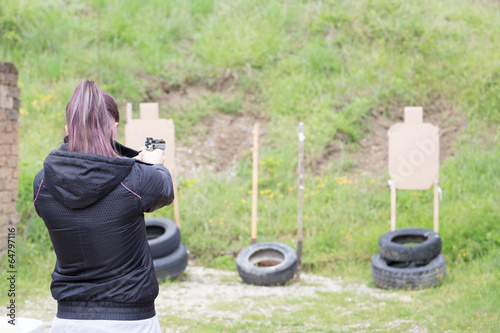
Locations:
(90, 125)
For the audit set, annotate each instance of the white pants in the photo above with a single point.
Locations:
(150, 325)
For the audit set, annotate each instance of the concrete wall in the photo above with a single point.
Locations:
(9, 149)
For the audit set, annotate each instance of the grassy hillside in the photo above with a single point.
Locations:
(339, 66)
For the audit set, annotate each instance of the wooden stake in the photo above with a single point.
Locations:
(436, 206)
(129, 112)
(393, 207)
(300, 197)
(255, 180)
(170, 164)
(176, 202)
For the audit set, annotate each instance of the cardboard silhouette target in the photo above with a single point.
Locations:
(150, 125)
(413, 158)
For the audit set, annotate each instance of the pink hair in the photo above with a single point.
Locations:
(111, 106)
(90, 125)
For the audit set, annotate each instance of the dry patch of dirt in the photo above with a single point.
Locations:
(199, 292)
(225, 136)
(372, 152)
(42, 307)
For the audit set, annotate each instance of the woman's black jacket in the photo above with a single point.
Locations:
(93, 208)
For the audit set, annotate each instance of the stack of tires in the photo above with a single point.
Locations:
(170, 256)
(409, 259)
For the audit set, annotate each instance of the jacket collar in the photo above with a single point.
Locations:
(119, 148)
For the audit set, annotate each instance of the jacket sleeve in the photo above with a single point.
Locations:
(37, 185)
(155, 187)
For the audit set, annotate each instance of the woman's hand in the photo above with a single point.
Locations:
(154, 157)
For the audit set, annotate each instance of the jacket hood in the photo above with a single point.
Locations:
(119, 148)
(78, 180)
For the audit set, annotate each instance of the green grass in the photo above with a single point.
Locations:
(330, 64)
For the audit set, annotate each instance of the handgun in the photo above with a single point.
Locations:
(152, 144)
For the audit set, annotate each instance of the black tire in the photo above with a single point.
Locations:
(172, 265)
(163, 236)
(283, 265)
(393, 247)
(410, 275)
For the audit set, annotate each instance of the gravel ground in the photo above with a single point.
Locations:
(195, 295)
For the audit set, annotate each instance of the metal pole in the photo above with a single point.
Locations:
(300, 197)
(255, 180)
(99, 47)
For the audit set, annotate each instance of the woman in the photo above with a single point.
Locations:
(92, 200)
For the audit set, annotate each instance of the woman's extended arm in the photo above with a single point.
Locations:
(155, 186)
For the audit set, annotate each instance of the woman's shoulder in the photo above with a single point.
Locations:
(37, 181)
